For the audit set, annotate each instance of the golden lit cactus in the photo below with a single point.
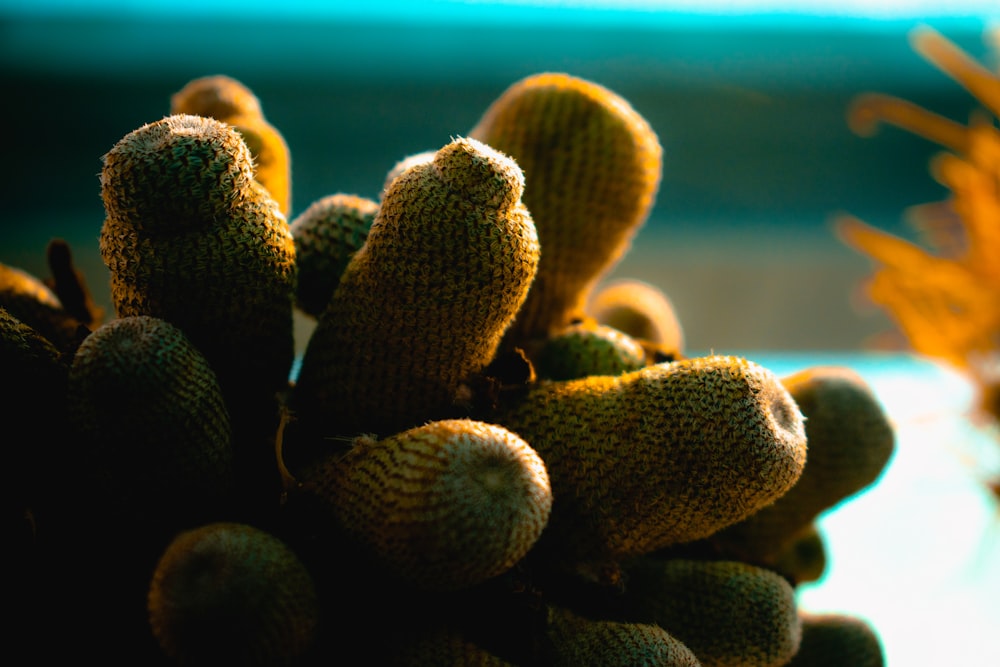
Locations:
(226, 99)
(836, 640)
(579, 640)
(729, 613)
(588, 348)
(593, 167)
(326, 235)
(148, 404)
(850, 441)
(641, 310)
(422, 305)
(31, 301)
(667, 454)
(232, 594)
(191, 238)
(442, 506)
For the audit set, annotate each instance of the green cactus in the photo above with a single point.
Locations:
(593, 165)
(226, 99)
(326, 235)
(422, 306)
(729, 613)
(443, 506)
(232, 594)
(667, 454)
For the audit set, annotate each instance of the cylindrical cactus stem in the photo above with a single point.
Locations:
(442, 506)
(422, 305)
(729, 613)
(192, 239)
(851, 440)
(230, 593)
(580, 640)
(226, 99)
(641, 310)
(593, 166)
(326, 235)
(835, 639)
(148, 404)
(667, 454)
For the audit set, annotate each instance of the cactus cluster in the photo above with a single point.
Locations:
(484, 457)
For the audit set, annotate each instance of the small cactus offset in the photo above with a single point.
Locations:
(326, 235)
(667, 454)
(226, 99)
(641, 310)
(443, 506)
(588, 348)
(579, 640)
(836, 639)
(232, 594)
(422, 306)
(728, 613)
(594, 165)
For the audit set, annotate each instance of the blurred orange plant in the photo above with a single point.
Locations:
(944, 298)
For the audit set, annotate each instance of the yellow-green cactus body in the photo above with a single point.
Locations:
(579, 640)
(232, 594)
(443, 506)
(836, 640)
(730, 614)
(593, 167)
(641, 310)
(667, 454)
(423, 304)
(326, 235)
(147, 401)
(32, 302)
(192, 239)
(588, 348)
(850, 442)
(228, 100)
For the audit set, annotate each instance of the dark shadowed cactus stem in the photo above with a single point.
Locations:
(150, 408)
(232, 594)
(192, 239)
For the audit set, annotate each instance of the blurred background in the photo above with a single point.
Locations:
(749, 100)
